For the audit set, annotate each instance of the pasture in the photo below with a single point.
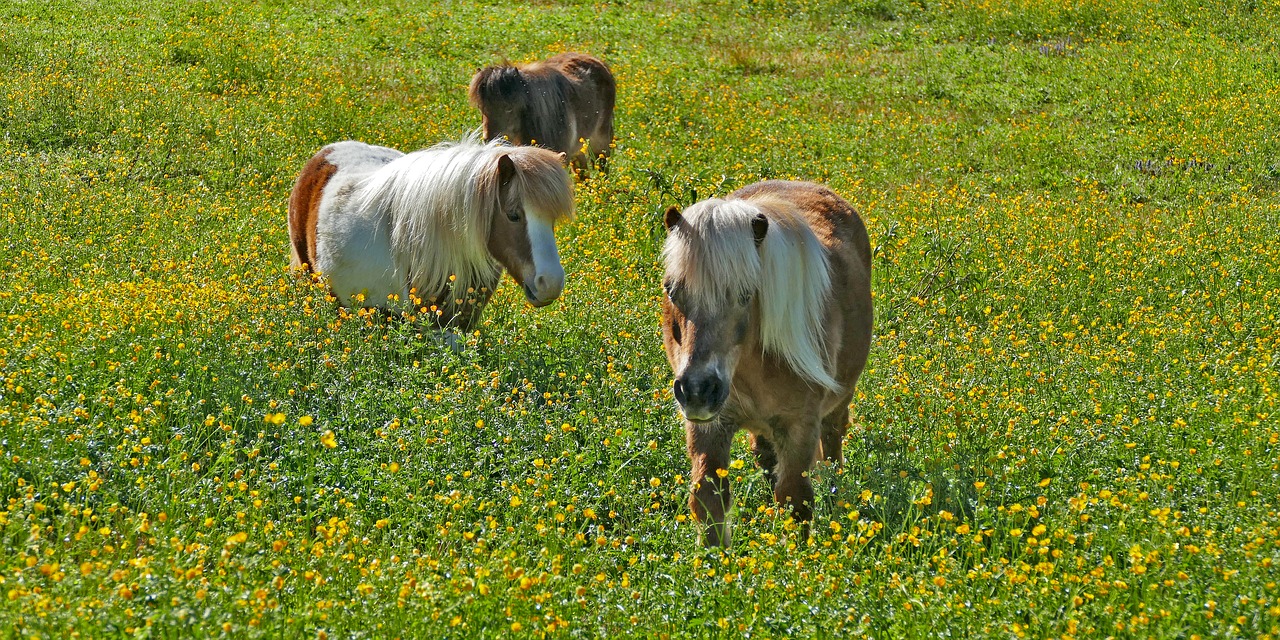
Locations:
(1067, 426)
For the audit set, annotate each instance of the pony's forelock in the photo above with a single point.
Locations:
(713, 254)
(544, 184)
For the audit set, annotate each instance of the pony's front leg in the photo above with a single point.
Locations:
(796, 449)
(600, 154)
(582, 162)
(708, 446)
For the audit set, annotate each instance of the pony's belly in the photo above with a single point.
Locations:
(363, 284)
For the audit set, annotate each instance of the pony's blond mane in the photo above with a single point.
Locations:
(714, 256)
(439, 204)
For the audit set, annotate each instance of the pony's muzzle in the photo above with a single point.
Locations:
(700, 397)
(544, 288)
(544, 281)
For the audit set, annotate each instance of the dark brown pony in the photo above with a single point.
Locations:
(556, 104)
(767, 325)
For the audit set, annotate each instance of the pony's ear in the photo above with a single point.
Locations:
(506, 170)
(759, 227)
(672, 217)
(476, 90)
(564, 159)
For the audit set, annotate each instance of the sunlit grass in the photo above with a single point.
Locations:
(1067, 427)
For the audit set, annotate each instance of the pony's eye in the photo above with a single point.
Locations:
(675, 331)
(515, 215)
(744, 299)
(670, 288)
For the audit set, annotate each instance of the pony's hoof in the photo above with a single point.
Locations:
(453, 341)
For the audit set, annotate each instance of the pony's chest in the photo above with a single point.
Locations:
(757, 401)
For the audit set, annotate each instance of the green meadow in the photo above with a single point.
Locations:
(1068, 425)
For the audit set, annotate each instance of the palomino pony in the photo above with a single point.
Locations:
(433, 228)
(555, 104)
(767, 325)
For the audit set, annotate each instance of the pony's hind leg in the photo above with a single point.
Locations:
(834, 427)
(708, 446)
(766, 457)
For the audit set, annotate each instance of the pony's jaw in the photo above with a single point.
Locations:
(503, 126)
(546, 282)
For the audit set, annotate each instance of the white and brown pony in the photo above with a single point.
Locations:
(434, 228)
(767, 325)
(556, 104)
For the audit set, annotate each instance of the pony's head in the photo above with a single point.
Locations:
(740, 274)
(501, 92)
(712, 277)
(533, 193)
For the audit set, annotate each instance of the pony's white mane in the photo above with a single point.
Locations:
(439, 203)
(714, 256)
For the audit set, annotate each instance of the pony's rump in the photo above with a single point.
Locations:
(304, 207)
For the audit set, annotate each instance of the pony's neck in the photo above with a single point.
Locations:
(439, 210)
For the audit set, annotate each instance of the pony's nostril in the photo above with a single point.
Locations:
(678, 390)
(540, 283)
(711, 390)
(706, 390)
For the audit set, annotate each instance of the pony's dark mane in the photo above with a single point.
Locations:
(538, 90)
(498, 84)
(546, 120)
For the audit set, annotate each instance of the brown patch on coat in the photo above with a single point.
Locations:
(508, 241)
(304, 209)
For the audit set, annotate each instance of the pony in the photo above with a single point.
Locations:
(555, 104)
(766, 323)
(433, 229)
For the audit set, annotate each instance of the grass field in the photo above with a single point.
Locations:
(1068, 426)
